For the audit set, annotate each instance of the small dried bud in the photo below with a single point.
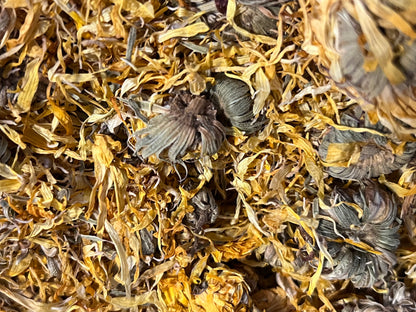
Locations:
(190, 121)
(205, 210)
(361, 246)
(365, 155)
(235, 102)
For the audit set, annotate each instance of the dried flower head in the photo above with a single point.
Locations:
(397, 299)
(205, 210)
(233, 99)
(372, 54)
(364, 154)
(255, 16)
(190, 121)
(361, 246)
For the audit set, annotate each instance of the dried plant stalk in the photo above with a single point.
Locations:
(190, 121)
(361, 246)
(234, 100)
(365, 154)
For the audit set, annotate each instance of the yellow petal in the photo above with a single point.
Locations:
(30, 85)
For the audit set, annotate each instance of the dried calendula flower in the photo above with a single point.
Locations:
(355, 155)
(370, 51)
(360, 231)
(233, 99)
(397, 299)
(257, 17)
(205, 210)
(190, 121)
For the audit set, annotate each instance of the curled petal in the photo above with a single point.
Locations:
(212, 137)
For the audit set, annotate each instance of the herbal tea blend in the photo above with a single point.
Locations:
(201, 155)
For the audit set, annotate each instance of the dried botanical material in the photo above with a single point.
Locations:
(190, 121)
(361, 246)
(253, 19)
(356, 155)
(397, 299)
(4, 150)
(233, 98)
(257, 17)
(272, 300)
(85, 224)
(205, 210)
(5, 20)
(147, 242)
(370, 51)
(408, 215)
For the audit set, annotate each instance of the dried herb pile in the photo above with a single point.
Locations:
(194, 156)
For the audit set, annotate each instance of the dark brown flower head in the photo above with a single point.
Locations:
(361, 246)
(233, 99)
(363, 154)
(190, 121)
